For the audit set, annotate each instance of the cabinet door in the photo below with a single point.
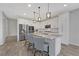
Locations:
(64, 27)
(60, 24)
(21, 32)
(27, 29)
(20, 28)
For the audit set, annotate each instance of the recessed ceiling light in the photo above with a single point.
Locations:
(29, 5)
(24, 13)
(65, 5)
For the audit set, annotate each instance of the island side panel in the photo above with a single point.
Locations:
(57, 45)
(51, 47)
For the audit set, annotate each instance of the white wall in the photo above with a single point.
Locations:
(5, 25)
(12, 27)
(1, 29)
(24, 21)
(74, 27)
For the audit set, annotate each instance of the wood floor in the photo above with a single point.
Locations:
(69, 50)
(14, 48)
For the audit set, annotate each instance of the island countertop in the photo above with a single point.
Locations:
(47, 35)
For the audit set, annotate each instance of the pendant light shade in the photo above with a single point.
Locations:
(34, 19)
(39, 18)
(34, 15)
(48, 14)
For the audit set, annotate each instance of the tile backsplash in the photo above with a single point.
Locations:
(52, 30)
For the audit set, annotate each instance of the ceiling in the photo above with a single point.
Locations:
(14, 10)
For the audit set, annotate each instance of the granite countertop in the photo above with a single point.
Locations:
(47, 35)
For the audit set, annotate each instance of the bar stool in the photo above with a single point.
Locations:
(46, 49)
(30, 41)
(41, 46)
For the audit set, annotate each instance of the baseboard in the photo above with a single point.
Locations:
(65, 43)
(74, 44)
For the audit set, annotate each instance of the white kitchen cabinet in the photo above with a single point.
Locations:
(63, 24)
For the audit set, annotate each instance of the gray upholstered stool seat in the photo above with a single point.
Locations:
(41, 46)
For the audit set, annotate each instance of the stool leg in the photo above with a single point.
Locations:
(33, 48)
(48, 50)
(34, 52)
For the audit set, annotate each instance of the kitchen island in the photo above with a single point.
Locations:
(54, 40)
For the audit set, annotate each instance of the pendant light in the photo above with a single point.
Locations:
(34, 17)
(48, 14)
(39, 18)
